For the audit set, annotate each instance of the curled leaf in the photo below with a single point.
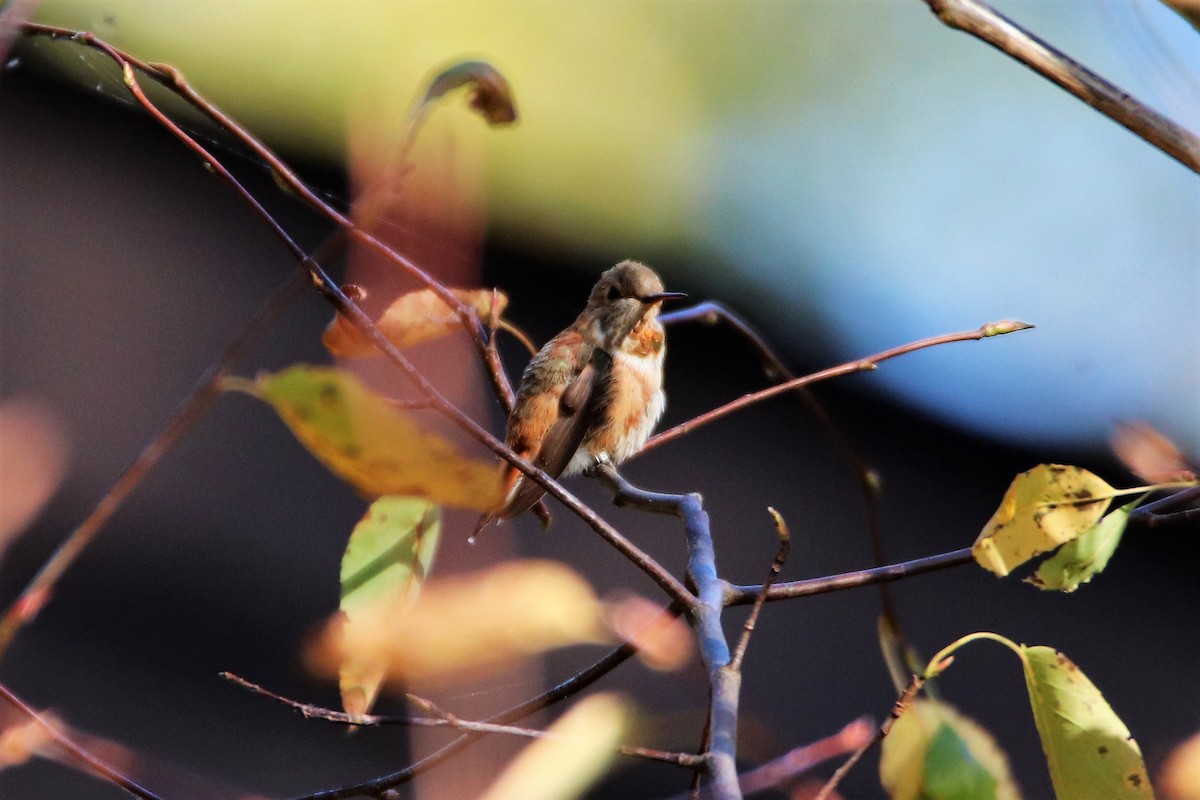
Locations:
(471, 624)
(369, 443)
(579, 747)
(386, 561)
(933, 751)
(491, 95)
(412, 318)
(1043, 508)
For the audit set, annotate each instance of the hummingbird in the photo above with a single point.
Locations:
(594, 392)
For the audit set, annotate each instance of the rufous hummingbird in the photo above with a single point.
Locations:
(595, 391)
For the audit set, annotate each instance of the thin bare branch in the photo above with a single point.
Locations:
(861, 365)
(988, 25)
(442, 719)
(76, 752)
(1167, 511)
(742, 595)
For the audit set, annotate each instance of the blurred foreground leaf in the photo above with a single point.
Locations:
(471, 624)
(1180, 777)
(935, 753)
(581, 745)
(1149, 454)
(367, 442)
(386, 561)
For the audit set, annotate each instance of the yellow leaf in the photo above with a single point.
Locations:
(373, 446)
(1088, 749)
(471, 624)
(1043, 508)
(412, 318)
(563, 765)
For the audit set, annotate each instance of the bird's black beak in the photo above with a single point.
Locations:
(661, 296)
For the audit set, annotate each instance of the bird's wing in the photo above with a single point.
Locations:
(577, 407)
(577, 411)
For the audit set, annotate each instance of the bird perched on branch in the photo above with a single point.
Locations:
(593, 392)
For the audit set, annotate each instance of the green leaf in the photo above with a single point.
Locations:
(1078, 561)
(935, 753)
(389, 554)
(1088, 749)
(1043, 508)
(372, 445)
(952, 772)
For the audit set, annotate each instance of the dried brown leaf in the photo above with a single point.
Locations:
(1149, 454)
(412, 318)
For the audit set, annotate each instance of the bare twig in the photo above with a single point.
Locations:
(785, 545)
(442, 719)
(861, 365)
(1160, 513)
(742, 595)
(37, 592)
(85, 758)
(898, 708)
(705, 617)
(987, 24)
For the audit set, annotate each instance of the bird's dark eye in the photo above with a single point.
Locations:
(613, 294)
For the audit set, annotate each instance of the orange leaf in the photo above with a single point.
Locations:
(411, 319)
